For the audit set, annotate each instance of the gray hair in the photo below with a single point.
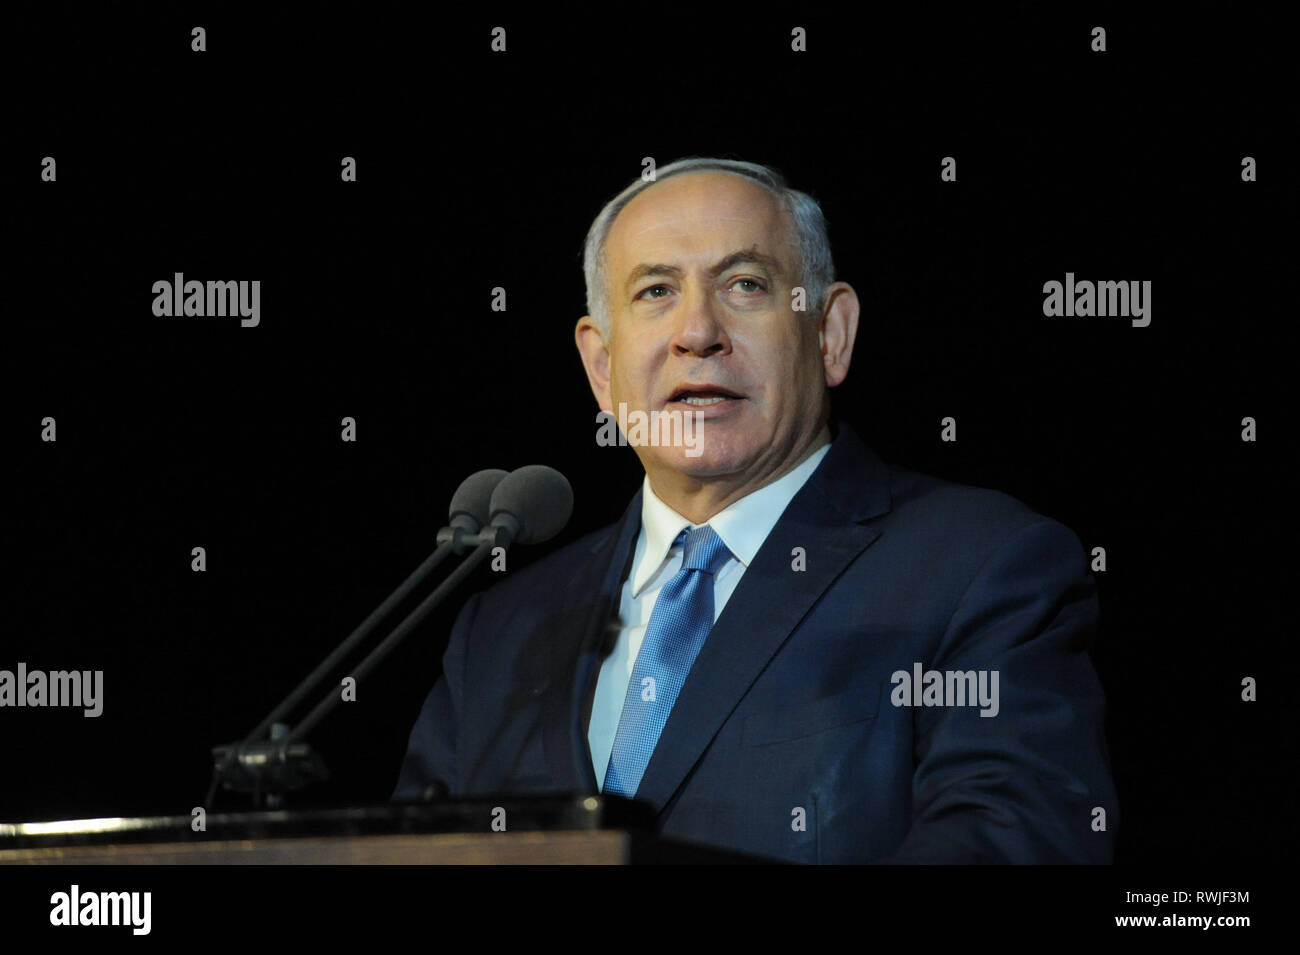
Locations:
(816, 272)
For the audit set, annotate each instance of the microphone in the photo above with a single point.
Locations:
(470, 509)
(531, 505)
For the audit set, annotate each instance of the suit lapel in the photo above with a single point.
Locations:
(587, 618)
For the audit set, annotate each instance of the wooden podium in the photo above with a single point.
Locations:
(544, 830)
(609, 847)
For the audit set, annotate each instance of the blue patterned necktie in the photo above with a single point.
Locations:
(682, 618)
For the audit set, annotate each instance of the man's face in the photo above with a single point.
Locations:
(700, 269)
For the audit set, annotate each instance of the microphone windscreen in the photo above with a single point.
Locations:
(539, 498)
(474, 496)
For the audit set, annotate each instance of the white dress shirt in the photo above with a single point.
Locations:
(743, 527)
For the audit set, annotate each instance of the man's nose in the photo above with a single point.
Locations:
(700, 329)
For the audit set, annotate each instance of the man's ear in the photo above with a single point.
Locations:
(595, 359)
(839, 329)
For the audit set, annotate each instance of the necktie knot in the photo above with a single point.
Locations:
(704, 549)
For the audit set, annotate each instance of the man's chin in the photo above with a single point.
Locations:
(695, 462)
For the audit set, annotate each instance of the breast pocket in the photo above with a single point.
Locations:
(807, 719)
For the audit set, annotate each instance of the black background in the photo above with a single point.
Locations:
(478, 170)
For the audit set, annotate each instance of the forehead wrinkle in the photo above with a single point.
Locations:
(658, 225)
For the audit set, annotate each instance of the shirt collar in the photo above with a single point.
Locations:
(743, 526)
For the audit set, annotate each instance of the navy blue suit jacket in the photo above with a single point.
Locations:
(786, 739)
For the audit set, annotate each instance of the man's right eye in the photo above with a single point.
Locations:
(651, 289)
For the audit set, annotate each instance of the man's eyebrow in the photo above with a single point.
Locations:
(743, 256)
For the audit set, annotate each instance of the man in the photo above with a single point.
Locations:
(785, 646)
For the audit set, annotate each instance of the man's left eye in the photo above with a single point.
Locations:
(754, 282)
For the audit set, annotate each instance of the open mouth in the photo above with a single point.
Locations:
(703, 396)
